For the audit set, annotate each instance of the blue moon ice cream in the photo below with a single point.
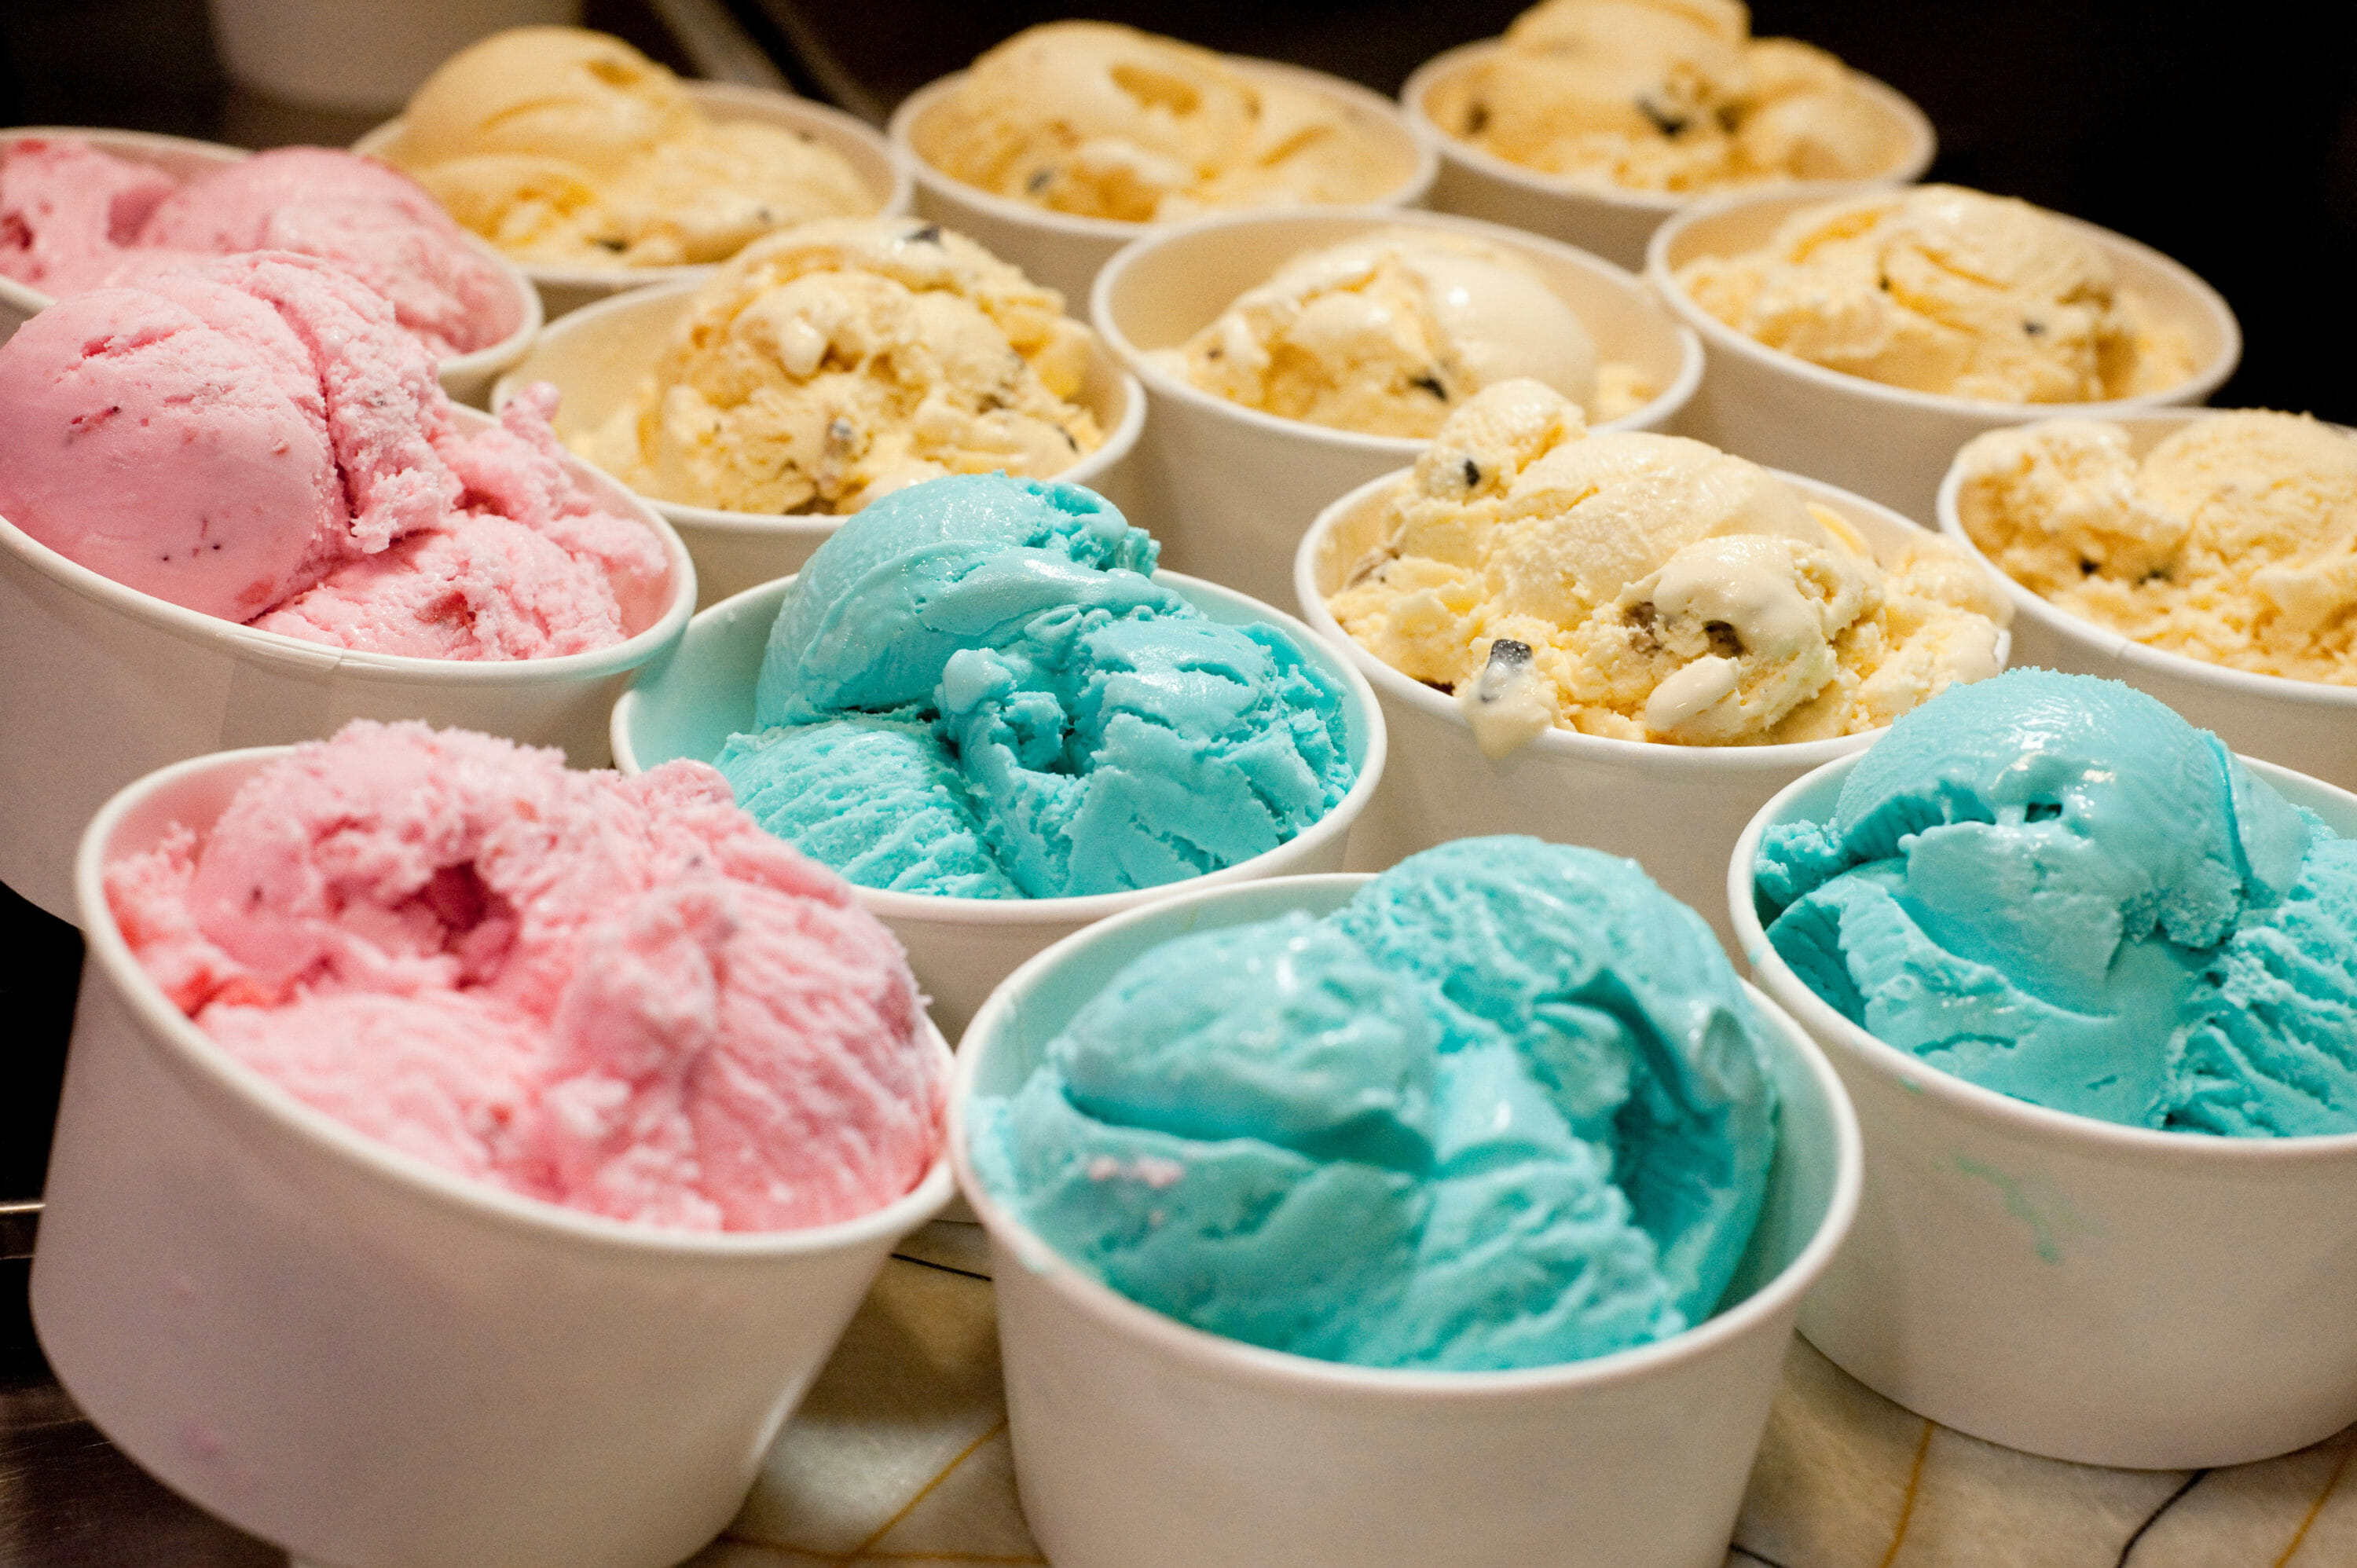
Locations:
(1507, 1108)
(2053, 886)
(976, 688)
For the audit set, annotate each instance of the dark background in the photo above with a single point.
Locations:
(2230, 144)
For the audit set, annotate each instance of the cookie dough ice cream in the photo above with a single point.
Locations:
(976, 689)
(1386, 333)
(1386, 1137)
(1667, 95)
(2234, 540)
(1102, 121)
(615, 995)
(2053, 886)
(1649, 587)
(572, 149)
(1940, 289)
(835, 363)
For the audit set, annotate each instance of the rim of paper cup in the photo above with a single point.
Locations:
(2193, 297)
(592, 318)
(722, 101)
(2066, 1130)
(947, 908)
(303, 655)
(197, 1053)
(1922, 138)
(1778, 756)
(1780, 1293)
(485, 361)
(1407, 193)
(2100, 642)
(1659, 409)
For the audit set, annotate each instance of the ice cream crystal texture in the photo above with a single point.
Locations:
(976, 689)
(1102, 121)
(570, 148)
(615, 995)
(1665, 95)
(2054, 887)
(834, 363)
(1386, 333)
(257, 439)
(1941, 289)
(2234, 540)
(74, 218)
(1507, 1108)
(1648, 588)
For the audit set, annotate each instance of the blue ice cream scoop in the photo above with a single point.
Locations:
(1508, 1108)
(987, 661)
(2055, 887)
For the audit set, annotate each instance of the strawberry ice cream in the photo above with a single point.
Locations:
(256, 439)
(615, 994)
(73, 217)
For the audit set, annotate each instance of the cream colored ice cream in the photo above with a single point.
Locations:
(1671, 96)
(569, 147)
(828, 365)
(1649, 587)
(2234, 539)
(1105, 121)
(1940, 289)
(1386, 333)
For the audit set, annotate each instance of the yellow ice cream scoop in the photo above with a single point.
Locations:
(571, 148)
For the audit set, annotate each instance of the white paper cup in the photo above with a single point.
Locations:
(372, 1361)
(1888, 443)
(598, 356)
(468, 378)
(2069, 1287)
(879, 167)
(1672, 808)
(1228, 489)
(106, 683)
(1614, 223)
(1142, 1442)
(2310, 726)
(1064, 251)
(689, 704)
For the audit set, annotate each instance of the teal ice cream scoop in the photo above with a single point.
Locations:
(976, 689)
(1507, 1108)
(2055, 887)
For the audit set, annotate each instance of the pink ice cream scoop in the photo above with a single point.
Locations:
(73, 217)
(615, 994)
(256, 438)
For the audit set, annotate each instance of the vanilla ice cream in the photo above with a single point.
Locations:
(1649, 587)
(1941, 289)
(1671, 96)
(571, 148)
(1386, 333)
(2234, 539)
(827, 366)
(1103, 121)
